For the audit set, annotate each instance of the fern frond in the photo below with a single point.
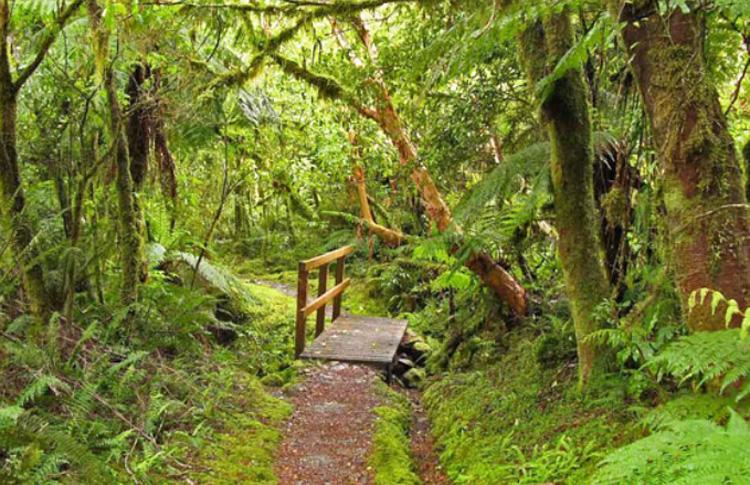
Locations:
(39, 387)
(686, 452)
(504, 180)
(707, 356)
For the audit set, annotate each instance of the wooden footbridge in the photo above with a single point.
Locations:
(349, 338)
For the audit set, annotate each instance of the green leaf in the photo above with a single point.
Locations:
(683, 6)
(745, 325)
(9, 415)
(737, 423)
(703, 292)
(602, 32)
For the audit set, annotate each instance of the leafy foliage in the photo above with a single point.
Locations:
(707, 357)
(682, 452)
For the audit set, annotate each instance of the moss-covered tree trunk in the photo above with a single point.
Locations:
(14, 204)
(708, 221)
(131, 242)
(12, 196)
(566, 114)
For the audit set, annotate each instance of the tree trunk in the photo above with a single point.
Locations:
(133, 261)
(707, 216)
(389, 236)
(137, 127)
(746, 155)
(13, 196)
(14, 204)
(566, 115)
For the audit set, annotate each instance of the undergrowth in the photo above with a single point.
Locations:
(166, 390)
(516, 422)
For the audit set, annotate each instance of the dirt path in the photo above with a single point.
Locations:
(327, 440)
(422, 445)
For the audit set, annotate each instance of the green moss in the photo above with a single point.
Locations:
(615, 205)
(701, 173)
(567, 117)
(363, 298)
(390, 457)
(516, 422)
(244, 451)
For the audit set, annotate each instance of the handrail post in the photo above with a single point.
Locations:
(321, 262)
(320, 322)
(339, 278)
(299, 334)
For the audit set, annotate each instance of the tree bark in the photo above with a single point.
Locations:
(14, 204)
(707, 216)
(389, 236)
(12, 195)
(566, 115)
(138, 125)
(746, 156)
(133, 261)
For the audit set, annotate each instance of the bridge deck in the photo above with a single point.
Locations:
(353, 338)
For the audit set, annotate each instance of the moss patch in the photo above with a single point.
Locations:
(516, 422)
(390, 458)
(244, 451)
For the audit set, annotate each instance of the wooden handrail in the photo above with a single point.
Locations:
(324, 295)
(317, 261)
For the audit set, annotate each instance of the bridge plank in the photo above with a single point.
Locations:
(354, 338)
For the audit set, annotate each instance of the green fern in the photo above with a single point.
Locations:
(601, 33)
(39, 387)
(706, 357)
(683, 452)
(505, 180)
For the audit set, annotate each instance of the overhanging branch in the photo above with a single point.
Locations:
(49, 38)
(327, 87)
